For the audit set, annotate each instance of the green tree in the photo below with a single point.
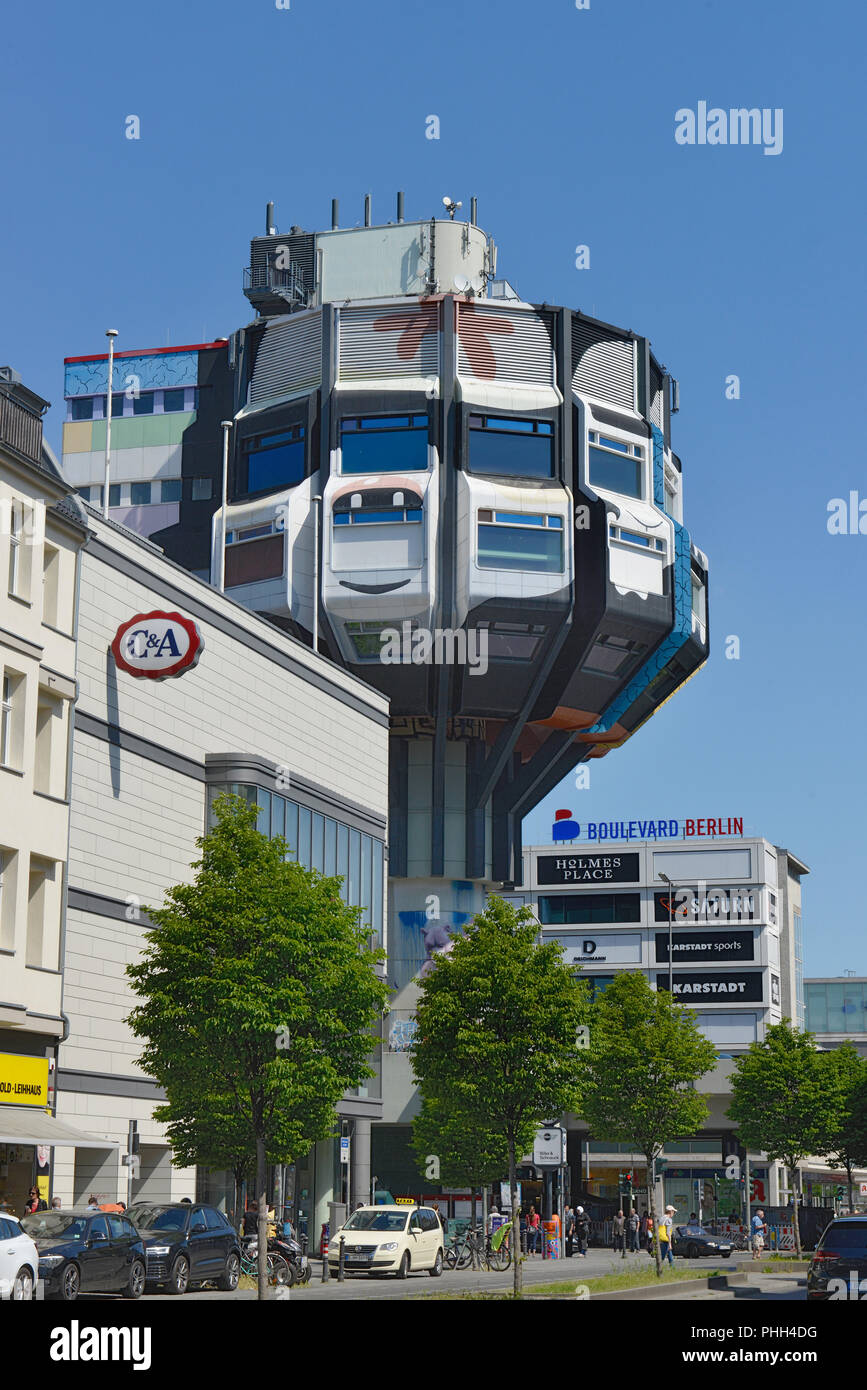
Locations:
(784, 1102)
(846, 1074)
(258, 996)
(639, 1073)
(470, 1154)
(497, 1034)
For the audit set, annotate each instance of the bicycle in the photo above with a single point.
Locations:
(473, 1248)
(279, 1272)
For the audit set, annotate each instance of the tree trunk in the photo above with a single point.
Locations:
(517, 1260)
(794, 1176)
(651, 1203)
(849, 1186)
(474, 1263)
(262, 1225)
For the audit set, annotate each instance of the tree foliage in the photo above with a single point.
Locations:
(785, 1101)
(258, 994)
(497, 1028)
(639, 1073)
(845, 1074)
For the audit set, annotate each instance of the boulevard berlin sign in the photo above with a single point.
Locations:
(565, 828)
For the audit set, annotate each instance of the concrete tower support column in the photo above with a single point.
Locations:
(361, 1162)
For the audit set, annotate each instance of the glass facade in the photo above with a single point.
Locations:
(589, 907)
(318, 842)
(511, 448)
(838, 1006)
(799, 969)
(384, 444)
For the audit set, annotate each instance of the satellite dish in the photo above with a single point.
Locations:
(461, 283)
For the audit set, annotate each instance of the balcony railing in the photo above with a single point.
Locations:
(20, 429)
(287, 283)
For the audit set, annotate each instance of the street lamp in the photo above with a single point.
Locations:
(671, 888)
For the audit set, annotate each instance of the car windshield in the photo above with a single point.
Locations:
(55, 1225)
(161, 1219)
(376, 1221)
(849, 1236)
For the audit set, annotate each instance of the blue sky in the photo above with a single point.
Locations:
(562, 123)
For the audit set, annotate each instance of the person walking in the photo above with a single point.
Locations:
(758, 1231)
(665, 1227)
(633, 1224)
(619, 1232)
(251, 1219)
(34, 1202)
(533, 1224)
(647, 1232)
(569, 1231)
(582, 1231)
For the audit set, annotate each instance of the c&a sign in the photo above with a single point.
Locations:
(157, 645)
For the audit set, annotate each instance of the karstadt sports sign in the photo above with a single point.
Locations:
(157, 645)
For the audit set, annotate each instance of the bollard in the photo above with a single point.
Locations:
(341, 1259)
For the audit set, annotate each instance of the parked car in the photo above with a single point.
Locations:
(693, 1242)
(19, 1261)
(395, 1239)
(187, 1244)
(841, 1255)
(87, 1252)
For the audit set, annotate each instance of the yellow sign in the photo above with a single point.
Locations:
(23, 1080)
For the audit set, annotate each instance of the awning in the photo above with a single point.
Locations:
(20, 1126)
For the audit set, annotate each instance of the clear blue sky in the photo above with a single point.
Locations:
(562, 122)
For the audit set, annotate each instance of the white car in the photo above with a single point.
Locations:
(19, 1261)
(389, 1240)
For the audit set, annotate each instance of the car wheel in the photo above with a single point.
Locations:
(180, 1276)
(134, 1286)
(438, 1266)
(70, 1283)
(692, 1252)
(22, 1285)
(726, 1254)
(228, 1280)
(403, 1269)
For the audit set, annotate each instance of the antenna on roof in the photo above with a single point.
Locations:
(270, 229)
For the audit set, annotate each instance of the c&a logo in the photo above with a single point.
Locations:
(157, 645)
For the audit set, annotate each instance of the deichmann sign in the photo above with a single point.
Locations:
(157, 645)
(23, 1080)
(705, 946)
(587, 868)
(618, 948)
(742, 988)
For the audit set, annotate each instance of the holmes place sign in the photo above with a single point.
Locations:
(587, 868)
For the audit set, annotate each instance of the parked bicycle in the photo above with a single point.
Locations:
(278, 1268)
(475, 1249)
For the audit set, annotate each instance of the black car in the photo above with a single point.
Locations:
(694, 1242)
(187, 1244)
(87, 1252)
(839, 1262)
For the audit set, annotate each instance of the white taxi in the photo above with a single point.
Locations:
(389, 1240)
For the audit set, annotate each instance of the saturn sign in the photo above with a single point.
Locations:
(157, 645)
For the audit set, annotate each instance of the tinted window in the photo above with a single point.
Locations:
(213, 1220)
(55, 1225)
(623, 475)
(98, 1227)
(198, 1217)
(590, 907)
(162, 1219)
(83, 410)
(511, 448)
(143, 404)
(129, 1229)
(384, 444)
(849, 1236)
(173, 400)
(376, 1221)
(428, 1219)
(6, 1229)
(274, 460)
(118, 1227)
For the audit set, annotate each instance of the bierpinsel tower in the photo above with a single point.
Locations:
(472, 501)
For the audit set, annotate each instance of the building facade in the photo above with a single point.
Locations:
(41, 534)
(259, 714)
(836, 1010)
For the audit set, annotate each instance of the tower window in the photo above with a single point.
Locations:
(511, 448)
(274, 460)
(384, 444)
(616, 466)
(520, 541)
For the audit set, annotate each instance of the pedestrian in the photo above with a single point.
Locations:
(665, 1227)
(34, 1202)
(92, 1203)
(251, 1219)
(619, 1231)
(533, 1224)
(758, 1230)
(569, 1231)
(647, 1232)
(122, 1206)
(56, 1204)
(582, 1231)
(693, 1225)
(632, 1225)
